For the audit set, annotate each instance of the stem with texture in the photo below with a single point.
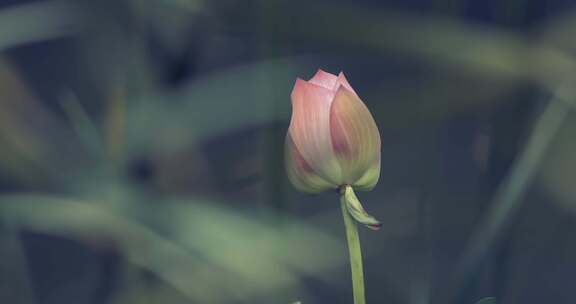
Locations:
(353, 249)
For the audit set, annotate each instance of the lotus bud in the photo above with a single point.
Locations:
(333, 141)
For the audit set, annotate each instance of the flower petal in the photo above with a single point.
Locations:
(301, 173)
(310, 129)
(370, 178)
(355, 136)
(324, 79)
(342, 81)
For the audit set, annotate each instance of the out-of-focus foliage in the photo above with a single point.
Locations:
(37, 22)
(487, 301)
(210, 231)
(207, 253)
(558, 174)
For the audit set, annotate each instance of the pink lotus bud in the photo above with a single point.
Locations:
(333, 140)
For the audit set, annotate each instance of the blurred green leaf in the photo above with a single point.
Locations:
(36, 22)
(489, 300)
(239, 97)
(207, 253)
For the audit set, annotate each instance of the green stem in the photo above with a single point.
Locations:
(354, 250)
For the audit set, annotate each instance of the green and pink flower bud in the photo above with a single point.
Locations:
(333, 141)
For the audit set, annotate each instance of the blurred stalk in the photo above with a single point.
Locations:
(510, 193)
(273, 190)
(355, 252)
(273, 180)
(420, 285)
(115, 123)
(511, 13)
(84, 127)
(14, 273)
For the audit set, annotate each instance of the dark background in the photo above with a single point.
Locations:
(131, 128)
